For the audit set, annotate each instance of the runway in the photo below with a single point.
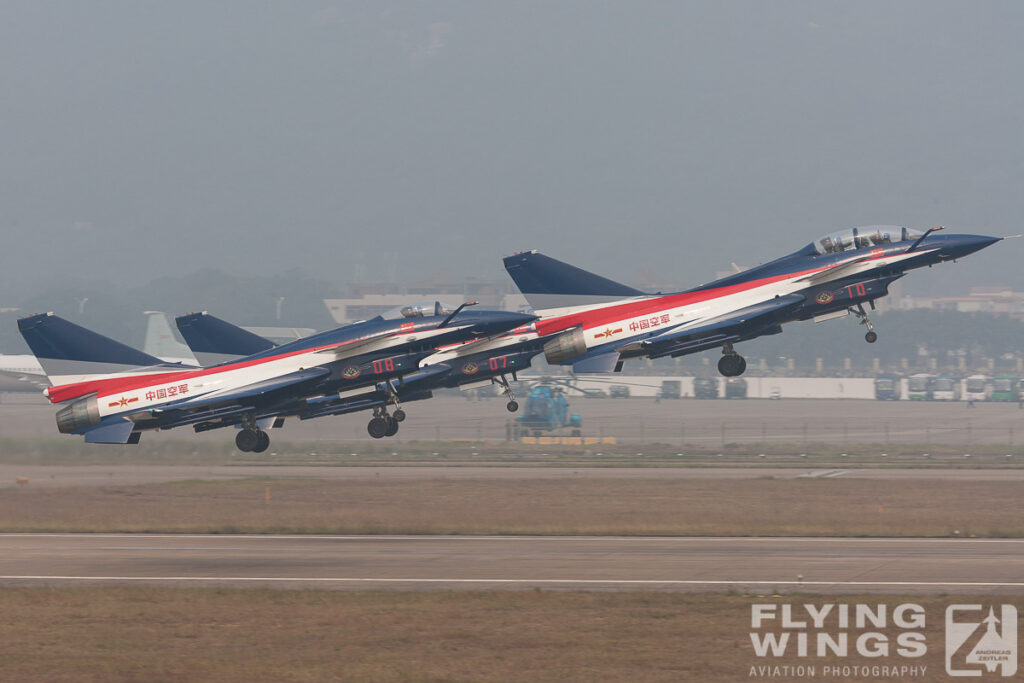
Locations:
(106, 475)
(828, 565)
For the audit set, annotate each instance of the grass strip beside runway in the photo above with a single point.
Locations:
(746, 507)
(156, 633)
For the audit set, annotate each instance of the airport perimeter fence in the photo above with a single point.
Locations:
(708, 435)
(857, 426)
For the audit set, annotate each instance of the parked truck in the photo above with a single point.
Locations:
(671, 388)
(705, 387)
(735, 387)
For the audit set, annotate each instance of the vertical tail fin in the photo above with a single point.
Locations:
(160, 341)
(550, 283)
(214, 341)
(70, 353)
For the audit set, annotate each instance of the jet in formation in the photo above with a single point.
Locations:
(24, 373)
(595, 324)
(113, 392)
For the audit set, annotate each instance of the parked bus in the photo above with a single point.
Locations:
(945, 389)
(1003, 388)
(887, 387)
(919, 387)
(979, 388)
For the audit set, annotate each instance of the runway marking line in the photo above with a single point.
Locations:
(378, 537)
(673, 582)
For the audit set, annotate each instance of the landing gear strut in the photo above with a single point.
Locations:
(871, 337)
(502, 381)
(731, 364)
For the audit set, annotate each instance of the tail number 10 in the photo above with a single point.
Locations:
(857, 290)
(386, 365)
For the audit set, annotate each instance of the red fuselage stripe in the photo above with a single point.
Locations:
(118, 385)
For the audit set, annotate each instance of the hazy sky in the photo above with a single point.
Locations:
(387, 140)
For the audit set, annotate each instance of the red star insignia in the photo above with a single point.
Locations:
(123, 401)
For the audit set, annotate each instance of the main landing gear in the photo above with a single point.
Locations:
(383, 424)
(871, 337)
(731, 364)
(502, 381)
(251, 439)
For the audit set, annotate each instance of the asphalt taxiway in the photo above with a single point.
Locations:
(454, 562)
(121, 475)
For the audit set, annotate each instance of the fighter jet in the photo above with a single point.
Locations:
(600, 323)
(116, 392)
(462, 365)
(24, 373)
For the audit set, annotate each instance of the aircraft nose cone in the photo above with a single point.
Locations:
(514, 320)
(502, 321)
(968, 244)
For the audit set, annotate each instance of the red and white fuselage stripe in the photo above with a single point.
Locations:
(627, 319)
(150, 391)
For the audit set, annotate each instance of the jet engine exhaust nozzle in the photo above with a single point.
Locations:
(565, 347)
(80, 414)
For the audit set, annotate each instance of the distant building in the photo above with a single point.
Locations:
(991, 300)
(368, 299)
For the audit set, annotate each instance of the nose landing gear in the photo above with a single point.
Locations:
(731, 364)
(871, 336)
(502, 381)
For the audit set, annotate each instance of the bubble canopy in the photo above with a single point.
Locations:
(419, 309)
(863, 238)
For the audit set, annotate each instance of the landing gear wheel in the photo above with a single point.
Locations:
(732, 365)
(264, 443)
(377, 427)
(392, 428)
(870, 337)
(399, 415)
(512, 406)
(247, 440)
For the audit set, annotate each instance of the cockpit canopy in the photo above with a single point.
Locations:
(863, 237)
(419, 309)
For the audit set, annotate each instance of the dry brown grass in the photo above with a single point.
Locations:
(175, 634)
(830, 507)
